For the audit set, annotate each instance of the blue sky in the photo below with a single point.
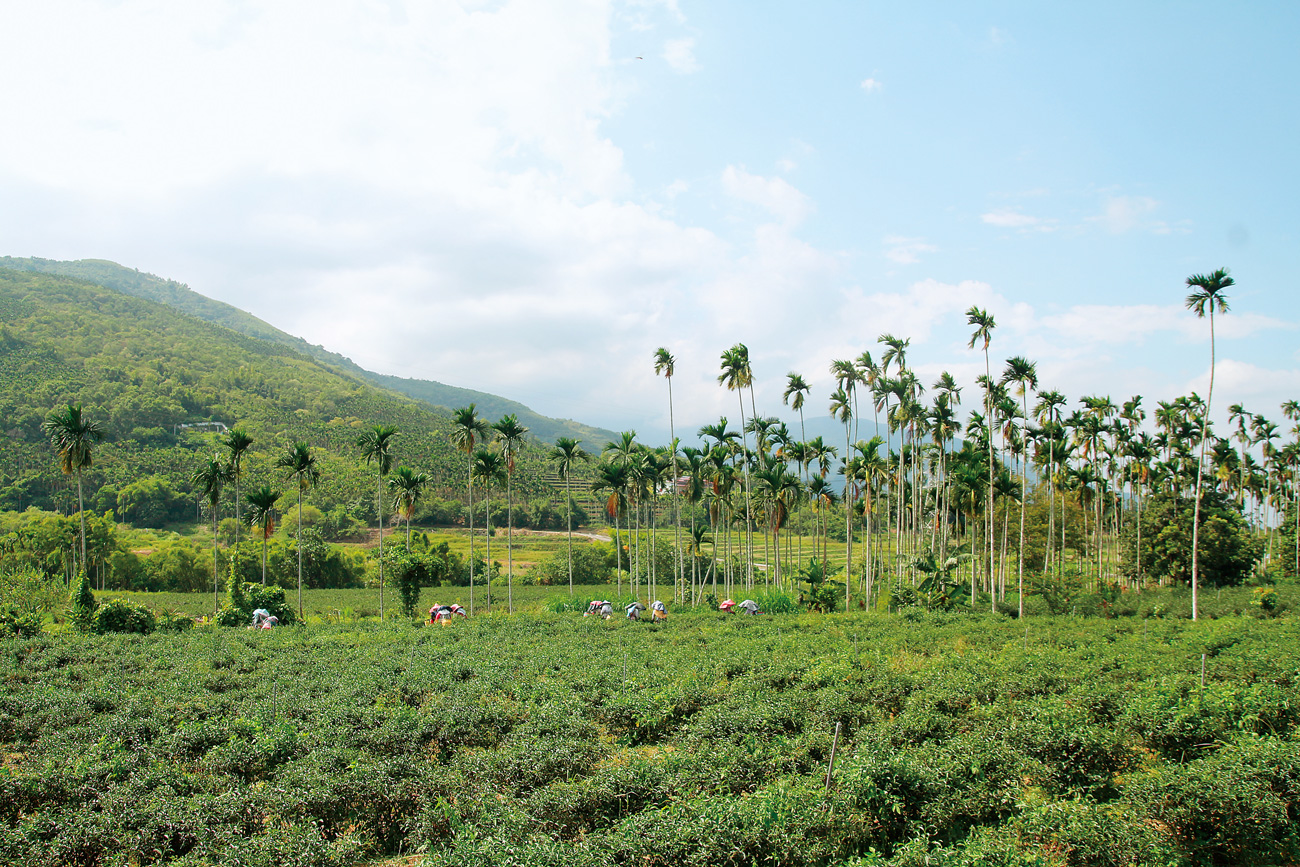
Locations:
(528, 198)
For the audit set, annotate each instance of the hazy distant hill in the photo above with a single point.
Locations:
(181, 297)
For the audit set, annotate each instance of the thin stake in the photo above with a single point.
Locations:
(1201, 697)
(831, 766)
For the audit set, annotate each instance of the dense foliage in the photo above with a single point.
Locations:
(1229, 548)
(563, 740)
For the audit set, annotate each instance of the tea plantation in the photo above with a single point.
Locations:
(552, 739)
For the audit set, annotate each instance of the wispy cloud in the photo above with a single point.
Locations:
(871, 85)
(1005, 218)
(680, 54)
(906, 251)
(775, 195)
(1123, 214)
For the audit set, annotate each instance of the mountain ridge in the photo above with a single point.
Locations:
(439, 396)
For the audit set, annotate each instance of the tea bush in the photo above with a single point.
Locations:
(557, 739)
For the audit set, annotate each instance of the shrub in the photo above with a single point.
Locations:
(119, 615)
(246, 597)
(408, 571)
(81, 610)
(776, 602)
(591, 565)
(15, 624)
(27, 589)
(1236, 806)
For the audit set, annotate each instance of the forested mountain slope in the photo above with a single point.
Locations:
(144, 369)
(181, 297)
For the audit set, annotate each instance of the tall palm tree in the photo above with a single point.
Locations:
(870, 468)
(841, 407)
(407, 489)
(261, 514)
(983, 333)
(694, 494)
(468, 431)
(665, 364)
(1048, 413)
(777, 488)
(73, 436)
(611, 479)
(488, 467)
(1024, 373)
(237, 441)
(1206, 295)
(511, 433)
(566, 455)
(823, 497)
(622, 453)
(796, 391)
(736, 375)
(300, 464)
(376, 447)
(210, 478)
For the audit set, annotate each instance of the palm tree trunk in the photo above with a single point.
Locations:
(216, 598)
(379, 503)
(471, 533)
(568, 504)
(749, 524)
(988, 421)
(1200, 466)
(81, 513)
(848, 524)
(677, 502)
(298, 545)
(510, 544)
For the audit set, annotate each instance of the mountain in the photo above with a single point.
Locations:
(441, 397)
(159, 381)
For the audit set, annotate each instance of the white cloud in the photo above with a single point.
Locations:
(920, 309)
(1005, 218)
(1087, 324)
(680, 54)
(1248, 384)
(1122, 214)
(775, 195)
(870, 85)
(906, 251)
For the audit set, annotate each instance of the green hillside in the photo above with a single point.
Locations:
(145, 370)
(181, 297)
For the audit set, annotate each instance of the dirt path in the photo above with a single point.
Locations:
(370, 538)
